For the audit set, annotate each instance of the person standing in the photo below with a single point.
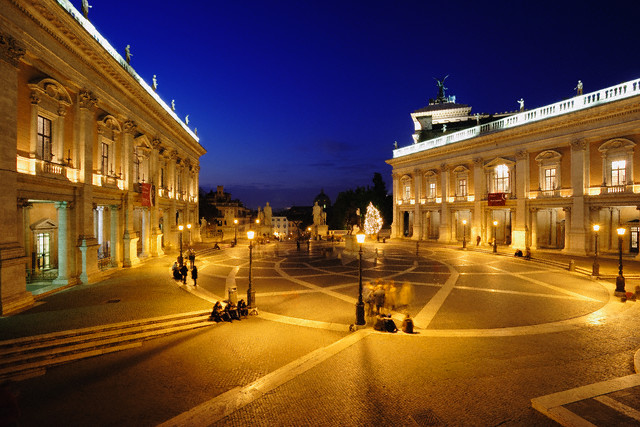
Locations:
(194, 275)
(192, 258)
(183, 272)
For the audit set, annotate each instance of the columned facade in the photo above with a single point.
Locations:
(546, 176)
(87, 155)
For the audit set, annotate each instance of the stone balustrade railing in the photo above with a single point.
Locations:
(580, 102)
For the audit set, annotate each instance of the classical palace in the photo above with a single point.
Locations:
(538, 178)
(97, 171)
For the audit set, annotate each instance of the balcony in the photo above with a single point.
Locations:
(558, 192)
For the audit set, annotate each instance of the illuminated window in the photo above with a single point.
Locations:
(501, 179)
(105, 158)
(549, 182)
(407, 192)
(43, 254)
(43, 146)
(618, 175)
(461, 189)
(432, 190)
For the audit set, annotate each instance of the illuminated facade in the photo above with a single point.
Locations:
(545, 175)
(97, 171)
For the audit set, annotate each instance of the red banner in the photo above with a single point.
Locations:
(146, 194)
(497, 199)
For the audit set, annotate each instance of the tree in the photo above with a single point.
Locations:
(372, 220)
(348, 202)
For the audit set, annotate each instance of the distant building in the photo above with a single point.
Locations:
(97, 171)
(225, 209)
(546, 176)
(280, 225)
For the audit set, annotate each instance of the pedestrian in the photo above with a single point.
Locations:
(183, 271)
(192, 257)
(391, 296)
(478, 239)
(378, 296)
(194, 275)
(406, 294)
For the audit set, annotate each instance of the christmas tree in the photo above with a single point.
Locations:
(372, 220)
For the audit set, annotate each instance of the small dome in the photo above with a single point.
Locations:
(323, 200)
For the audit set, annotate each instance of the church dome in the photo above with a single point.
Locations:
(323, 200)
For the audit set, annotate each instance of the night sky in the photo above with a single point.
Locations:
(291, 97)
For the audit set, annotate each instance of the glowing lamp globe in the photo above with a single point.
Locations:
(360, 238)
(250, 235)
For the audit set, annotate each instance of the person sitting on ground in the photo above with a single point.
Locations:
(226, 315)
(379, 325)
(242, 308)
(407, 325)
(518, 253)
(233, 311)
(216, 246)
(389, 324)
(216, 313)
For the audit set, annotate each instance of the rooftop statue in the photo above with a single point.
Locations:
(128, 55)
(441, 88)
(521, 102)
(155, 83)
(85, 9)
(578, 88)
(186, 120)
(173, 105)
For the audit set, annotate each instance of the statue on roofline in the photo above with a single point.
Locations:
(127, 53)
(85, 9)
(441, 88)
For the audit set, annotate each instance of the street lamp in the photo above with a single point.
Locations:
(189, 228)
(180, 227)
(251, 294)
(595, 268)
(360, 320)
(620, 291)
(235, 238)
(464, 234)
(495, 237)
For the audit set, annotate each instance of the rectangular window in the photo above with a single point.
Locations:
(407, 192)
(432, 190)
(162, 177)
(43, 146)
(618, 175)
(43, 255)
(105, 158)
(501, 179)
(549, 179)
(462, 187)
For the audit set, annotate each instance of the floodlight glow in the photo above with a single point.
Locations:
(596, 227)
(180, 227)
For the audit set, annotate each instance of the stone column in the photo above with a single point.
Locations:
(145, 231)
(417, 193)
(63, 244)
(87, 242)
(130, 238)
(395, 194)
(114, 226)
(13, 284)
(478, 193)
(519, 226)
(567, 227)
(579, 228)
(534, 228)
(25, 206)
(445, 215)
(637, 256)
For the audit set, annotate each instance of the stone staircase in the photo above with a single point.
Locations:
(27, 357)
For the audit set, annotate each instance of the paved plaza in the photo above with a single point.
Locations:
(493, 333)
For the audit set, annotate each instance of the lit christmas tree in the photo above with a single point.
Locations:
(372, 220)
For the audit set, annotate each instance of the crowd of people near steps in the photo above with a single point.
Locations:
(229, 312)
(180, 271)
(383, 298)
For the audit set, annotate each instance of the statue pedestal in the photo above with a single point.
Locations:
(351, 244)
(322, 230)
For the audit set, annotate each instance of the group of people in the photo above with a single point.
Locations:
(229, 312)
(381, 298)
(180, 272)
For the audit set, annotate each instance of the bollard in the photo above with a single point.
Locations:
(572, 265)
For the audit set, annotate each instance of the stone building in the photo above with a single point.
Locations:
(545, 175)
(97, 171)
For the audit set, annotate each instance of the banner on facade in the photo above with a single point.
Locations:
(497, 199)
(146, 195)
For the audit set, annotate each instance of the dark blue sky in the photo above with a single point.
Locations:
(293, 96)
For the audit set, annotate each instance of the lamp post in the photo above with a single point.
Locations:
(360, 320)
(180, 227)
(620, 291)
(189, 228)
(235, 238)
(464, 234)
(595, 268)
(251, 294)
(495, 237)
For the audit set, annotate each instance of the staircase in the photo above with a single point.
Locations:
(27, 357)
